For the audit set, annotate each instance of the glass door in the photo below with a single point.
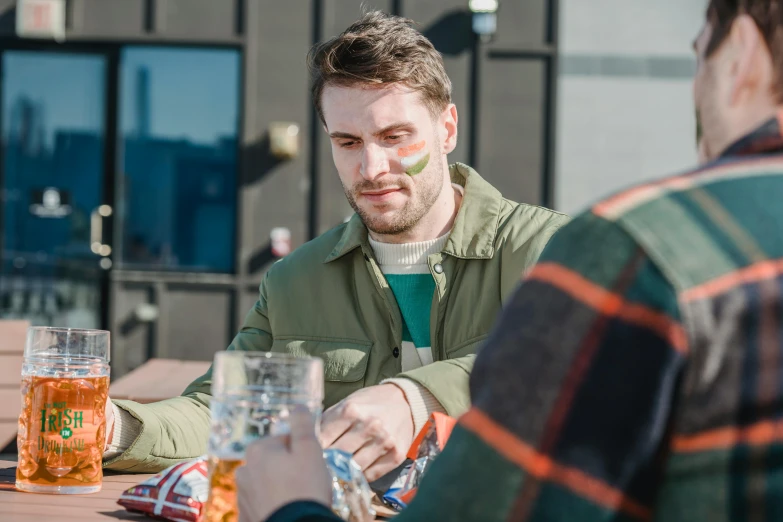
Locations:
(54, 216)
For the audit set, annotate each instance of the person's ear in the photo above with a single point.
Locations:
(751, 61)
(449, 121)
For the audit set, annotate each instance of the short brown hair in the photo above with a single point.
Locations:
(381, 49)
(768, 16)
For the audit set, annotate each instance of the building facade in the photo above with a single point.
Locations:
(152, 151)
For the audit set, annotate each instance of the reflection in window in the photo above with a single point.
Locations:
(179, 120)
(53, 113)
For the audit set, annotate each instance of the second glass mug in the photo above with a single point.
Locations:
(252, 395)
(62, 426)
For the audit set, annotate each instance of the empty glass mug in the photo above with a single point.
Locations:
(62, 427)
(252, 395)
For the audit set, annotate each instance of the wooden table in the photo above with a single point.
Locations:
(16, 506)
(157, 379)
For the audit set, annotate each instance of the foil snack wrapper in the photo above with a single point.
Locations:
(179, 493)
(351, 493)
(429, 443)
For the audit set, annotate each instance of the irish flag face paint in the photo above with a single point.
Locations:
(414, 158)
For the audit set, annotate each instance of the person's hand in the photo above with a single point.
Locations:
(375, 425)
(109, 413)
(282, 469)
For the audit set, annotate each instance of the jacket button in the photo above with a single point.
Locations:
(396, 352)
(438, 268)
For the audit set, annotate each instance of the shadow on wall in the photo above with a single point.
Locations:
(261, 258)
(263, 162)
(452, 34)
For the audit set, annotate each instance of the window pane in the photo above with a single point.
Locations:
(177, 190)
(53, 113)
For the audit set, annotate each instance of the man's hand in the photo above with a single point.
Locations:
(109, 413)
(282, 469)
(375, 425)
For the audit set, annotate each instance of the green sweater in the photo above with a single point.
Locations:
(406, 269)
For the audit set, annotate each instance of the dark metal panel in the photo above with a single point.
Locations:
(7, 17)
(522, 24)
(198, 323)
(553, 66)
(332, 206)
(208, 20)
(109, 166)
(511, 130)
(273, 191)
(447, 24)
(314, 132)
(110, 19)
(131, 337)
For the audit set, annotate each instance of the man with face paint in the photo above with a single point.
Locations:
(396, 301)
(637, 373)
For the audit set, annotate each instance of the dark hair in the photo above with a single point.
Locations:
(381, 49)
(768, 16)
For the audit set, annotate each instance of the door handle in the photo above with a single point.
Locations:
(96, 230)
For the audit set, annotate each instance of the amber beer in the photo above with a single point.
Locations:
(62, 426)
(222, 503)
(252, 394)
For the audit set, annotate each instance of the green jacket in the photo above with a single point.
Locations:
(329, 298)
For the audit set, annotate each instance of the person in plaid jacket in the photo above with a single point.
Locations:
(637, 373)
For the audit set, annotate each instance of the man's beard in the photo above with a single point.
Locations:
(411, 213)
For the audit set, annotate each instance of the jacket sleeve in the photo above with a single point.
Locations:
(177, 429)
(448, 380)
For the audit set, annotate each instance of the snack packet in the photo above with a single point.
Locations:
(177, 493)
(427, 445)
(351, 493)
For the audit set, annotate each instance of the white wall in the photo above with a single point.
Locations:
(625, 111)
(630, 26)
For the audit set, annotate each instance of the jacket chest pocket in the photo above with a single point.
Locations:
(345, 362)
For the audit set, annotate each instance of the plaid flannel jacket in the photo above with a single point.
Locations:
(637, 373)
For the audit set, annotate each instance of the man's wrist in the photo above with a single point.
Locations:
(420, 401)
(399, 389)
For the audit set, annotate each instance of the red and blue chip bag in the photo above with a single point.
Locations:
(177, 493)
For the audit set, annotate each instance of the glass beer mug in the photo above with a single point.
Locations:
(252, 394)
(62, 427)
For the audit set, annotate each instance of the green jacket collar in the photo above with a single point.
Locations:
(474, 230)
